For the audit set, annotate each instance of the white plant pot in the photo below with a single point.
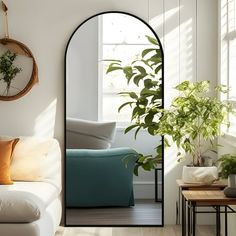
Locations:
(199, 175)
(232, 181)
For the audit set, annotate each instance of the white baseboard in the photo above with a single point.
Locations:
(145, 189)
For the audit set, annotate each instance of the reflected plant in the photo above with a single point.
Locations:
(7, 68)
(146, 105)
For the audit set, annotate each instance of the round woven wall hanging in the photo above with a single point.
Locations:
(15, 89)
(18, 68)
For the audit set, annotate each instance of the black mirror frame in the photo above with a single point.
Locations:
(162, 138)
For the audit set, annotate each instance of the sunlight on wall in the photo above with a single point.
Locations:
(45, 122)
(186, 50)
(171, 161)
(179, 51)
(223, 49)
(157, 21)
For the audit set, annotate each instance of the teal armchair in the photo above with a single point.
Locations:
(99, 178)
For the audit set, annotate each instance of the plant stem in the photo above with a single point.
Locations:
(199, 161)
(8, 87)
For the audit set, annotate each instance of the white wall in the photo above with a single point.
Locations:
(45, 26)
(82, 73)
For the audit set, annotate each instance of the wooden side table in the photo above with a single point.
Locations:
(214, 198)
(217, 185)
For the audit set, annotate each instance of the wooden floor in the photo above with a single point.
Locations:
(171, 230)
(145, 212)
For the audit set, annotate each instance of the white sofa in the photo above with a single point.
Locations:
(32, 205)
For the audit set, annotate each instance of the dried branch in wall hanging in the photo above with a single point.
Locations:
(14, 80)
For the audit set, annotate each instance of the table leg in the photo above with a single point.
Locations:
(183, 216)
(226, 221)
(157, 171)
(189, 220)
(177, 213)
(218, 221)
(179, 204)
(156, 185)
(194, 219)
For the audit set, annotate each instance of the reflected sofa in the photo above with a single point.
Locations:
(96, 175)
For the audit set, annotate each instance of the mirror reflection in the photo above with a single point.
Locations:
(114, 72)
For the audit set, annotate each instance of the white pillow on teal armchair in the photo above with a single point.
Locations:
(87, 134)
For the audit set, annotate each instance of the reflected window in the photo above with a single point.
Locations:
(120, 37)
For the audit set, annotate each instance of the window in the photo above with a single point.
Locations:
(121, 37)
(228, 54)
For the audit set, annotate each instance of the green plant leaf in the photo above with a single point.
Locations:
(130, 94)
(166, 142)
(130, 128)
(128, 71)
(156, 59)
(125, 104)
(183, 86)
(136, 132)
(152, 40)
(136, 170)
(149, 92)
(141, 70)
(147, 166)
(112, 68)
(112, 60)
(146, 51)
(158, 68)
(137, 78)
(133, 95)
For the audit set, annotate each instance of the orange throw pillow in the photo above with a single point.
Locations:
(6, 150)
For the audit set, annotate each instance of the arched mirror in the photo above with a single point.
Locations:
(113, 160)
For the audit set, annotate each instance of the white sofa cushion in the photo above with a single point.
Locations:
(25, 202)
(37, 159)
(45, 226)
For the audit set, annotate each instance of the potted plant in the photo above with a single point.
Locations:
(193, 122)
(227, 169)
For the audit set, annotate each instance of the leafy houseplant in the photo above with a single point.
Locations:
(7, 68)
(194, 119)
(146, 74)
(228, 170)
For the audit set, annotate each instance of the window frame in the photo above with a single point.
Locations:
(227, 33)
